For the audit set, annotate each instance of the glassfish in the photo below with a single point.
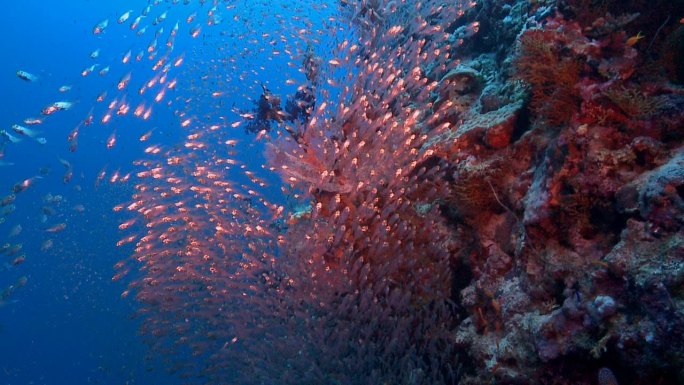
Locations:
(124, 17)
(26, 76)
(100, 27)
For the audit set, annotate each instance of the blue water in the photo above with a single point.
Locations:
(69, 324)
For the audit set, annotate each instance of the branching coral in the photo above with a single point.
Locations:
(552, 75)
(634, 102)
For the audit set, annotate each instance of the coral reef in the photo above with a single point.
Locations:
(495, 196)
(570, 189)
(561, 148)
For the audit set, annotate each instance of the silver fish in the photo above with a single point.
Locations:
(125, 16)
(21, 130)
(26, 76)
(10, 137)
(101, 26)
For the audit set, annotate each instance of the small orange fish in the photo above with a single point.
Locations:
(634, 39)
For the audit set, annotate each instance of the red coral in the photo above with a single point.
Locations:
(552, 75)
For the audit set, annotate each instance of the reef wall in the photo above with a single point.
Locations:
(567, 170)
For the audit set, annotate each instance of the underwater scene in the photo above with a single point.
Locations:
(362, 192)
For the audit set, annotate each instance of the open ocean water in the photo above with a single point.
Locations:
(68, 324)
(62, 318)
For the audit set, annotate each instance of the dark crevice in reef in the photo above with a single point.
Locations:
(680, 191)
(606, 220)
(461, 276)
(522, 124)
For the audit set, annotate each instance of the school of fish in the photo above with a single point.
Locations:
(207, 221)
